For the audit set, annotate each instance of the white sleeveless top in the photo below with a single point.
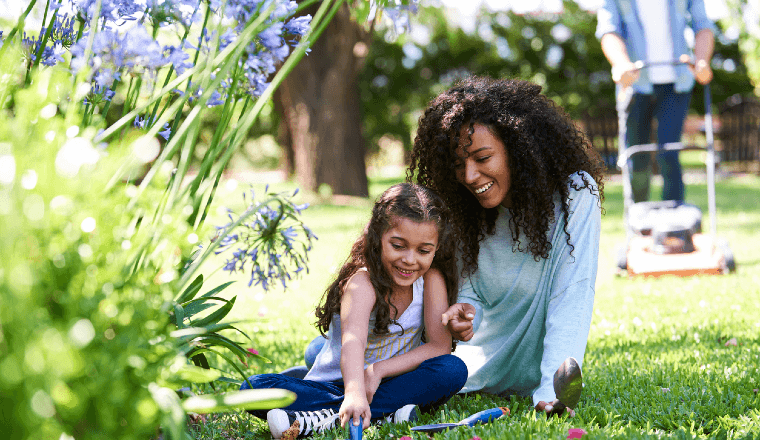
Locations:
(399, 339)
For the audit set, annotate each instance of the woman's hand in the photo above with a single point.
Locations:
(555, 407)
(353, 407)
(372, 381)
(458, 318)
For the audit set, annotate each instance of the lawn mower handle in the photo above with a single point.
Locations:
(622, 98)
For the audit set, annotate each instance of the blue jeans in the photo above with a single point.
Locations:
(431, 384)
(670, 110)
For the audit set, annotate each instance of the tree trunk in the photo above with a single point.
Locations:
(321, 111)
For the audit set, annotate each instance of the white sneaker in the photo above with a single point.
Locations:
(407, 413)
(310, 422)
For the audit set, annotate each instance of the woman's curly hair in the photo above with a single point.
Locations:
(544, 148)
(404, 200)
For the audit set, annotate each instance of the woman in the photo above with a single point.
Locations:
(525, 188)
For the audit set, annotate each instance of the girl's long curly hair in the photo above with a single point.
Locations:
(404, 200)
(544, 148)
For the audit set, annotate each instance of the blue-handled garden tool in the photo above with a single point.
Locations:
(484, 416)
(355, 432)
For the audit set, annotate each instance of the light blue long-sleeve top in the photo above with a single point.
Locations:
(622, 17)
(532, 315)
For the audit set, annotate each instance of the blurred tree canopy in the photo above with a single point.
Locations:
(744, 15)
(557, 51)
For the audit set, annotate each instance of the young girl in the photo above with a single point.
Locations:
(388, 298)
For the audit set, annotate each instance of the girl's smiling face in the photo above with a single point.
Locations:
(483, 166)
(408, 249)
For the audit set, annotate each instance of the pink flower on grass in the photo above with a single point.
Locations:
(253, 351)
(406, 437)
(576, 433)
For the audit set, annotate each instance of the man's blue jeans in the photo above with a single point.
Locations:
(670, 110)
(431, 384)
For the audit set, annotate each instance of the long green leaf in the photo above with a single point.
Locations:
(179, 316)
(244, 399)
(234, 364)
(198, 306)
(219, 340)
(229, 380)
(218, 288)
(191, 290)
(217, 316)
(193, 307)
(171, 407)
(200, 360)
(195, 374)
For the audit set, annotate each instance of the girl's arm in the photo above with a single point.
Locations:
(355, 309)
(438, 336)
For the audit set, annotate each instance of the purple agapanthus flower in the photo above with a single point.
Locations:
(63, 30)
(284, 10)
(98, 94)
(177, 58)
(111, 10)
(144, 123)
(215, 99)
(299, 26)
(53, 55)
(399, 14)
(134, 51)
(139, 122)
(166, 132)
(271, 37)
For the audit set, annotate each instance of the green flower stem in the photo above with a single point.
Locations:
(171, 68)
(198, 223)
(286, 68)
(242, 128)
(46, 36)
(82, 75)
(304, 4)
(215, 147)
(210, 86)
(19, 25)
(107, 105)
(131, 102)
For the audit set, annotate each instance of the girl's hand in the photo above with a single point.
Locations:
(553, 408)
(354, 406)
(371, 381)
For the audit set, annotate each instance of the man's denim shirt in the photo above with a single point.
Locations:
(622, 17)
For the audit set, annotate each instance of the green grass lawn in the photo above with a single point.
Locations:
(657, 364)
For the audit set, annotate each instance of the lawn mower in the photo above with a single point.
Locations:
(665, 237)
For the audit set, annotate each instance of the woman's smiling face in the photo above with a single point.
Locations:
(483, 166)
